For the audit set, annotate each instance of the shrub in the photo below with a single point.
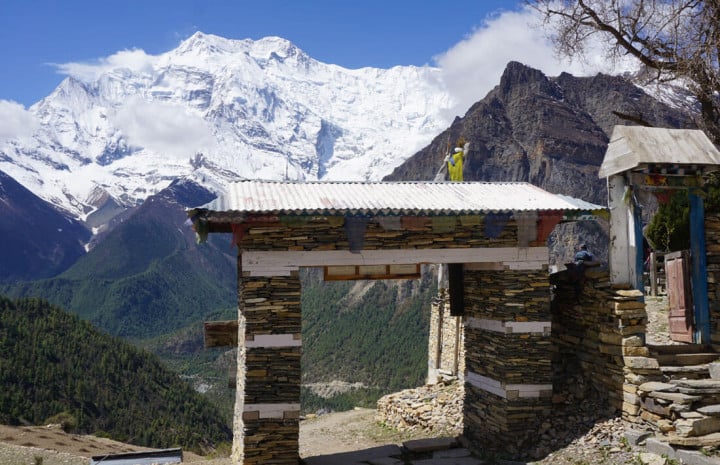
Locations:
(67, 421)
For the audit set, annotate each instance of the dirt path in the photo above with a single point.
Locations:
(327, 434)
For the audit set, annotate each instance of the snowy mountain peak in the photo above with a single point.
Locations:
(276, 48)
(217, 110)
(208, 44)
(212, 53)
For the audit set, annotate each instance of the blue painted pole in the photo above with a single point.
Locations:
(639, 249)
(699, 270)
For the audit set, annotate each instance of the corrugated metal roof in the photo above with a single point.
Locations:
(631, 146)
(389, 198)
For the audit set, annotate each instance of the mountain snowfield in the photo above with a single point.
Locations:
(217, 110)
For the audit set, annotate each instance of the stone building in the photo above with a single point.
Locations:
(493, 236)
(655, 386)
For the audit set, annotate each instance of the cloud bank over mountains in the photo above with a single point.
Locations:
(473, 66)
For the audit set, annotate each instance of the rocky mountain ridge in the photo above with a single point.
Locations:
(549, 131)
(39, 240)
(552, 132)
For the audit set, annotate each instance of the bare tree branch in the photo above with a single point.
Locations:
(679, 39)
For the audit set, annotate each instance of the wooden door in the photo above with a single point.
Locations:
(679, 291)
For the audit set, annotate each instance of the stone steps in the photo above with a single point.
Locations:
(686, 408)
(678, 349)
(686, 372)
(686, 359)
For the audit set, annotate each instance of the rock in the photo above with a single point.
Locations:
(648, 458)
(665, 426)
(709, 440)
(433, 407)
(675, 397)
(629, 293)
(714, 369)
(429, 445)
(641, 363)
(658, 386)
(697, 426)
(710, 410)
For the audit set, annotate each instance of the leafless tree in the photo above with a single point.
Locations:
(675, 40)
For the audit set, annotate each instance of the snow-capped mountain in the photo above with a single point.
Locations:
(216, 110)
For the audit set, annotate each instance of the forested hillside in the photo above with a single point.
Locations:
(369, 332)
(54, 366)
(146, 277)
(375, 333)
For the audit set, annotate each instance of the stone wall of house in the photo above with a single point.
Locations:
(598, 330)
(446, 348)
(712, 257)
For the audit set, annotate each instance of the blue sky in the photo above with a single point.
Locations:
(37, 35)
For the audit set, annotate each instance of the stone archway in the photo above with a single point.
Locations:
(500, 246)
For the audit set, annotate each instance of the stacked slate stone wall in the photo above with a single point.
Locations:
(337, 233)
(446, 350)
(598, 330)
(712, 256)
(508, 357)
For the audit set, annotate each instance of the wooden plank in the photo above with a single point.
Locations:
(677, 270)
(221, 333)
(293, 259)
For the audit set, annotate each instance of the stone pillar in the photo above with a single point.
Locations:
(269, 404)
(508, 379)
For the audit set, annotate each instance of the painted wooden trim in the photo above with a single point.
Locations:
(273, 340)
(699, 269)
(271, 411)
(281, 263)
(508, 391)
(357, 272)
(510, 327)
(620, 230)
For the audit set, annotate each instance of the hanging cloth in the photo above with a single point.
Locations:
(390, 223)
(443, 224)
(355, 231)
(495, 223)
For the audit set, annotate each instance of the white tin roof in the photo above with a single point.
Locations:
(389, 198)
(632, 146)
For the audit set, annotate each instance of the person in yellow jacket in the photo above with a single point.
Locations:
(455, 160)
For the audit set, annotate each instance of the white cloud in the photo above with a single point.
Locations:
(165, 128)
(474, 66)
(16, 122)
(135, 60)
